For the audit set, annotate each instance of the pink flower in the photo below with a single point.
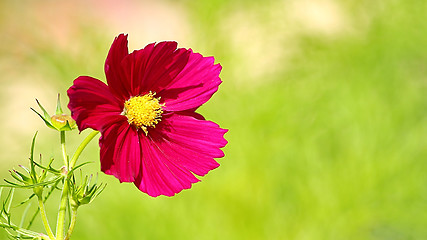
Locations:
(151, 134)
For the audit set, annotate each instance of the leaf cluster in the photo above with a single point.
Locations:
(43, 180)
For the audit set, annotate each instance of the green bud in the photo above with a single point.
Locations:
(85, 192)
(64, 171)
(60, 121)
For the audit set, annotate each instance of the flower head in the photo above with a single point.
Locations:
(151, 134)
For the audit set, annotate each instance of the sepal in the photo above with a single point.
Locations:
(85, 192)
(59, 121)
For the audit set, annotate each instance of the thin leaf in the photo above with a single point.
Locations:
(25, 168)
(25, 201)
(11, 184)
(31, 185)
(45, 113)
(46, 121)
(5, 212)
(49, 168)
(79, 166)
(33, 218)
(10, 234)
(99, 190)
(33, 171)
(17, 178)
(11, 193)
(58, 105)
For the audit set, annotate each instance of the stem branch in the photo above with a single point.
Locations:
(81, 148)
(72, 223)
(60, 225)
(44, 218)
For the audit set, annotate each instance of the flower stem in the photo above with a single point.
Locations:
(60, 224)
(44, 218)
(81, 148)
(72, 223)
(64, 152)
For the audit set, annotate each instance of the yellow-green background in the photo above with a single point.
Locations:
(325, 101)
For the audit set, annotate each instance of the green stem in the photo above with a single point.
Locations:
(72, 223)
(81, 148)
(60, 225)
(23, 231)
(44, 218)
(64, 152)
(44, 201)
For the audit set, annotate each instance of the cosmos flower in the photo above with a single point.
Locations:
(150, 132)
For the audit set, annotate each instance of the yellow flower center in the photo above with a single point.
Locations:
(143, 111)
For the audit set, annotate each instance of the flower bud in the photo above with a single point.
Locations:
(85, 192)
(64, 171)
(59, 121)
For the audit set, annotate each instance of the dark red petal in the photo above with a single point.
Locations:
(154, 67)
(92, 104)
(120, 151)
(193, 86)
(117, 82)
(180, 145)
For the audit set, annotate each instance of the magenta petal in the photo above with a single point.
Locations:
(183, 144)
(154, 67)
(194, 85)
(120, 151)
(92, 104)
(187, 131)
(160, 174)
(117, 82)
(180, 145)
(162, 163)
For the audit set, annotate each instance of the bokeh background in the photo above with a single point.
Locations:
(325, 101)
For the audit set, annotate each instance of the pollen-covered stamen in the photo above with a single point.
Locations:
(143, 111)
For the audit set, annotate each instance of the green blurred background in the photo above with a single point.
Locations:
(325, 101)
